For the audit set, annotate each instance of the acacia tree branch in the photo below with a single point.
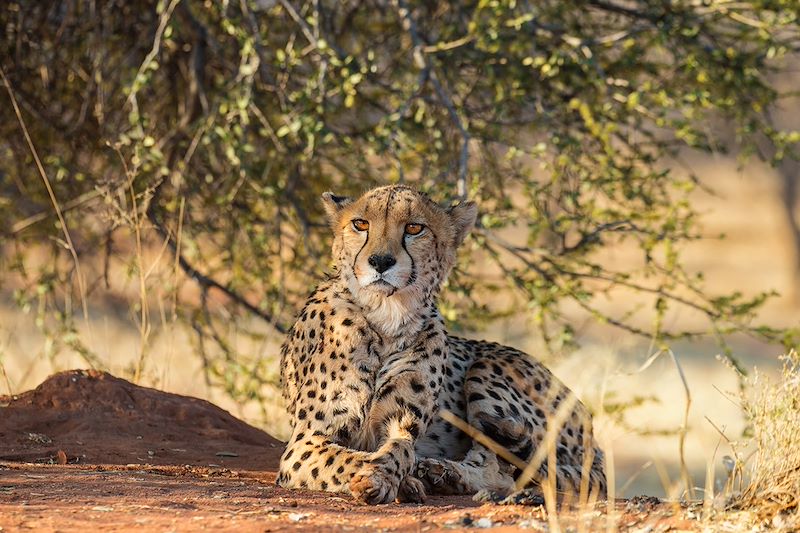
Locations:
(520, 284)
(518, 253)
(714, 315)
(444, 97)
(306, 29)
(201, 279)
(80, 201)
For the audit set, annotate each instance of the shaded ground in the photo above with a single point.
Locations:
(88, 450)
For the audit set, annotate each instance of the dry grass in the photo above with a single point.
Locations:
(772, 479)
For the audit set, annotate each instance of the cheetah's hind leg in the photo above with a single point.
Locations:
(479, 470)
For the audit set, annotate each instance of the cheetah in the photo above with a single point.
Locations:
(368, 367)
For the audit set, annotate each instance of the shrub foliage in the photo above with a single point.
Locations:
(211, 128)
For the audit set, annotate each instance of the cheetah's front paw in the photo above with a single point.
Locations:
(373, 485)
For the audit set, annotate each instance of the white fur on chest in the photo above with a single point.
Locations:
(391, 316)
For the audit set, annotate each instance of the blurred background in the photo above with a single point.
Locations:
(634, 163)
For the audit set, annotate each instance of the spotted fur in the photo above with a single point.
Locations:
(368, 364)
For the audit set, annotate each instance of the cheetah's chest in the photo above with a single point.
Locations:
(363, 394)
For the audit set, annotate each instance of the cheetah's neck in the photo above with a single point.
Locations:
(400, 314)
(392, 317)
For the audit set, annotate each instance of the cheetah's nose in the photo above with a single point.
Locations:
(381, 263)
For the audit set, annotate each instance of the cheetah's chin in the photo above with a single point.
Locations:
(383, 286)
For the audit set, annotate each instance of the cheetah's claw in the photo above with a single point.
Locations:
(411, 490)
(440, 477)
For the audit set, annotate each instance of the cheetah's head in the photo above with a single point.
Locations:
(394, 247)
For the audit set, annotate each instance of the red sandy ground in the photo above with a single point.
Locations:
(88, 450)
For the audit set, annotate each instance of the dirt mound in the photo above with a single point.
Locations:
(96, 418)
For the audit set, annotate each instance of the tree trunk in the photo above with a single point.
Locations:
(789, 170)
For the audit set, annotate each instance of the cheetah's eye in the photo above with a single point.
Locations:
(414, 229)
(360, 224)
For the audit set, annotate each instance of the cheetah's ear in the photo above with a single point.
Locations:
(463, 216)
(334, 204)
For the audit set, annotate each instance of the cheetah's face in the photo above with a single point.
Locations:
(394, 242)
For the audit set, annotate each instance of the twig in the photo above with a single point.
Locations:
(84, 198)
(144, 316)
(635, 476)
(684, 429)
(571, 293)
(450, 45)
(266, 77)
(304, 27)
(519, 251)
(162, 26)
(687, 478)
(638, 287)
(594, 235)
(622, 10)
(736, 469)
(3, 371)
